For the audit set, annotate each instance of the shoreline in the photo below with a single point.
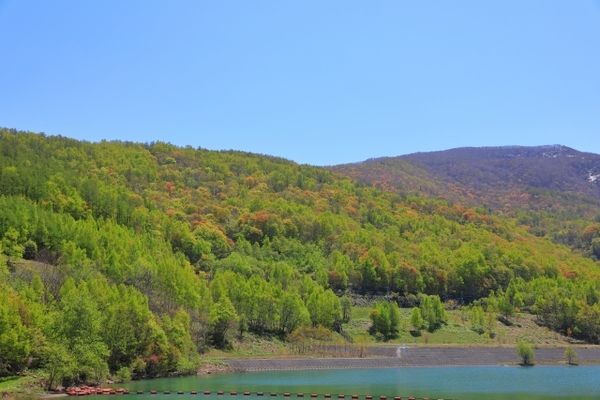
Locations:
(398, 357)
(394, 357)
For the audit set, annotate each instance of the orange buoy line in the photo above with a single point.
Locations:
(84, 391)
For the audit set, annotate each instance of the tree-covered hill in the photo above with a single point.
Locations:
(129, 258)
(552, 190)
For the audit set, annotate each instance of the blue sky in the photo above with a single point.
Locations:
(318, 82)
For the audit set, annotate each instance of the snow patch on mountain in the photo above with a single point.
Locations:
(594, 174)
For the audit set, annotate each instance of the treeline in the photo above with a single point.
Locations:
(89, 329)
(213, 244)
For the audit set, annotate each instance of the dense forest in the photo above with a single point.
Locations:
(132, 259)
(553, 191)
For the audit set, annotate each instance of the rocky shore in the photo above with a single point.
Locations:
(211, 368)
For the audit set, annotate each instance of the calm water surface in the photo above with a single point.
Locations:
(468, 383)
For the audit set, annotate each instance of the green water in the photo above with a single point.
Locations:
(468, 383)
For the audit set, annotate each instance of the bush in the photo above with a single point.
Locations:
(122, 375)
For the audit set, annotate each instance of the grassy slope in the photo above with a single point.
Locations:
(20, 387)
(458, 331)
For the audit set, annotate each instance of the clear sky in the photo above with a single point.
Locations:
(319, 82)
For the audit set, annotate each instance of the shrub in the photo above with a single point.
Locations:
(122, 375)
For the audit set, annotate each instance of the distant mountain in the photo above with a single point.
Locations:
(493, 170)
(486, 174)
(555, 190)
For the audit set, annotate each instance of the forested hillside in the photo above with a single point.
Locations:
(552, 190)
(128, 258)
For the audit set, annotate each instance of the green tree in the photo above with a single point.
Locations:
(293, 312)
(427, 312)
(505, 307)
(30, 250)
(477, 319)
(439, 311)
(324, 307)
(222, 318)
(183, 355)
(11, 243)
(525, 351)
(571, 355)
(346, 304)
(78, 328)
(416, 320)
(15, 343)
(59, 364)
(490, 320)
(385, 317)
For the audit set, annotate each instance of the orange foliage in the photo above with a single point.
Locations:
(170, 187)
(568, 274)
(261, 217)
(350, 210)
(251, 182)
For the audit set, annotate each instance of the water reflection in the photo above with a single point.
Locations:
(468, 383)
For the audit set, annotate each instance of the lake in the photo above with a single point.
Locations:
(468, 383)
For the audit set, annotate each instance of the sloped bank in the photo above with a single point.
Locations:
(393, 357)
